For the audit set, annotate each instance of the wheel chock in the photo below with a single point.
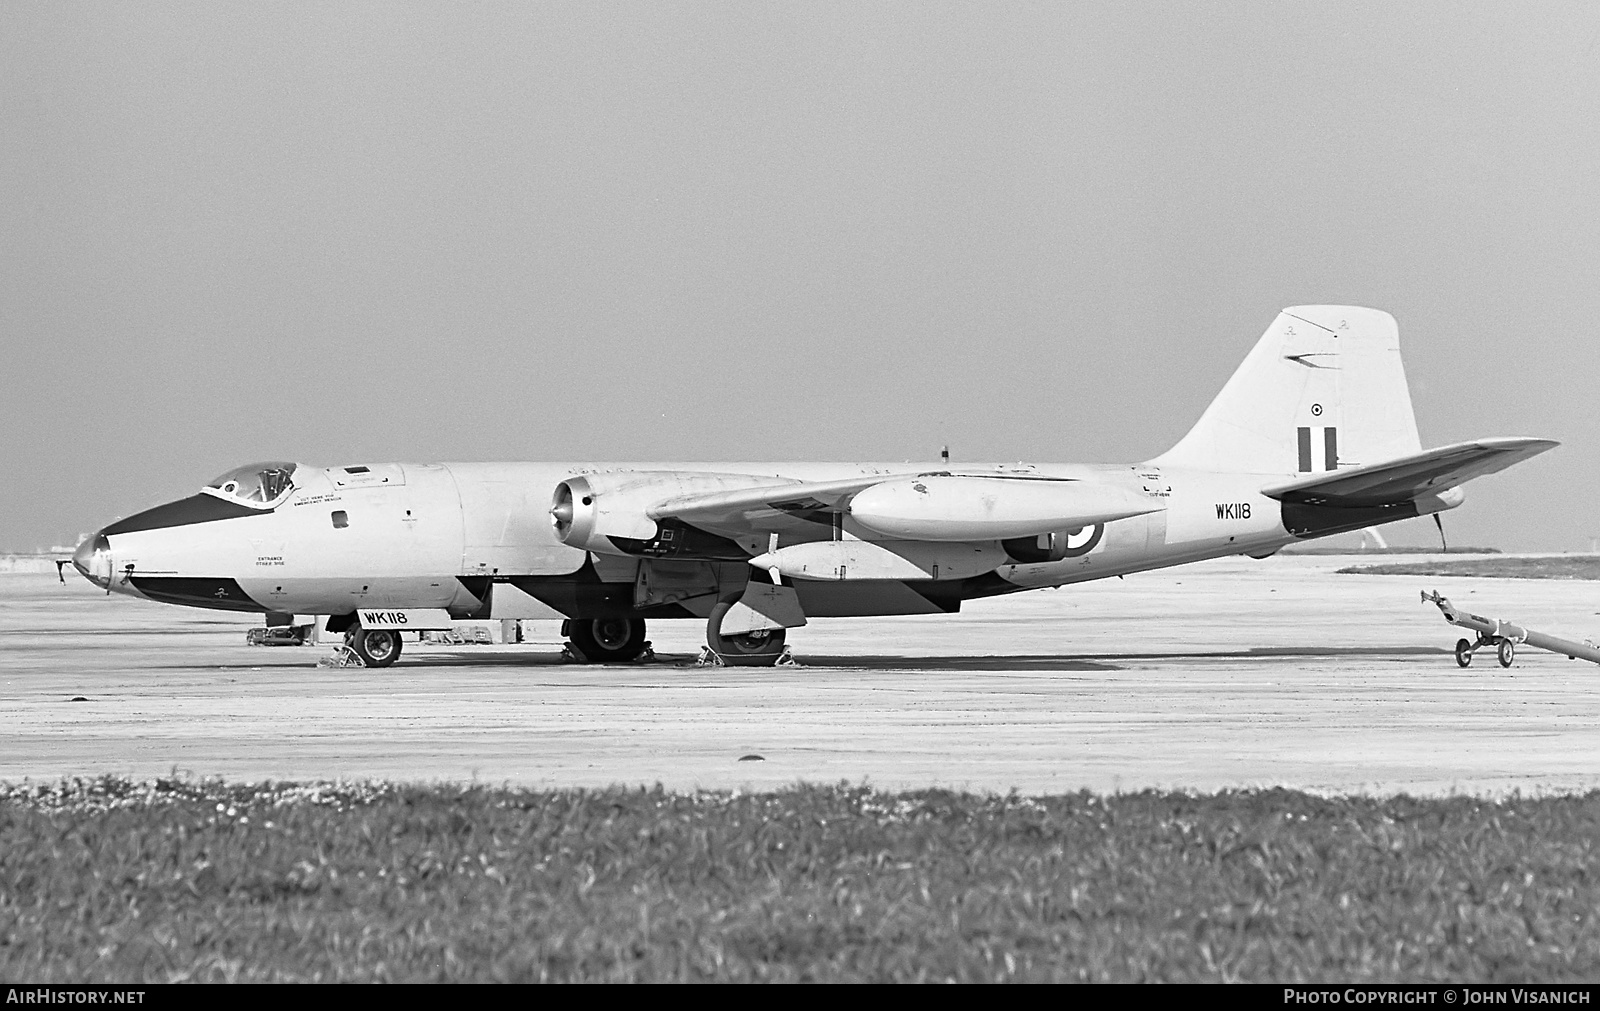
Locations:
(342, 656)
(709, 658)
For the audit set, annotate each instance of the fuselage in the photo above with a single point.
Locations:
(476, 540)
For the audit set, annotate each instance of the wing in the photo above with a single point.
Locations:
(1406, 478)
(774, 507)
(929, 506)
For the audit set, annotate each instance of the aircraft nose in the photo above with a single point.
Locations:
(93, 559)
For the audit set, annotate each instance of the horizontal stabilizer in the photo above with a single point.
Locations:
(1408, 477)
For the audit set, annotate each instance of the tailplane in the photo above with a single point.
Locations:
(1323, 389)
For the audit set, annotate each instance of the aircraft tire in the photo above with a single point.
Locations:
(377, 647)
(608, 640)
(1463, 653)
(753, 649)
(1507, 651)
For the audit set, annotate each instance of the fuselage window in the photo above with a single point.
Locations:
(341, 519)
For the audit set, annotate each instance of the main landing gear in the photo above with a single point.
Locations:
(1505, 649)
(760, 648)
(620, 640)
(606, 640)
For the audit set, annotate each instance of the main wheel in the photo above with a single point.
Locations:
(1463, 653)
(377, 647)
(608, 640)
(748, 649)
(1507, 651)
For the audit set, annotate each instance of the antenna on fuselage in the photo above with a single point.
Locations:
(944, 453)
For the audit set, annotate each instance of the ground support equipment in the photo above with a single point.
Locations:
(278, 635)
(1505, 636)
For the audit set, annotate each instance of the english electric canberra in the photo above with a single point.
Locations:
(1313, 435)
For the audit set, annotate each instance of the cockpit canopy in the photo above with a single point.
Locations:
(261, 485)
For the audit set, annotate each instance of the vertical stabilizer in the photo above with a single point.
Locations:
(1322, 389)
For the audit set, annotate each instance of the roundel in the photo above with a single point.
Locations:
(1082, 540)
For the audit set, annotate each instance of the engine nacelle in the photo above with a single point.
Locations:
(609, 512)
(1055, 546)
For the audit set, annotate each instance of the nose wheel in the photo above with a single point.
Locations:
(377, 647)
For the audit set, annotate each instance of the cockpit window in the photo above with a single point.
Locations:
(257, 484)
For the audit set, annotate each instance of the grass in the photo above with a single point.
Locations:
(109, 880)
(1545, 567)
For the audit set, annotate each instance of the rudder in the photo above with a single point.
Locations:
(1323, 388)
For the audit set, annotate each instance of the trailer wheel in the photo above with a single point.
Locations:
(1508, 652)
(1463, 653)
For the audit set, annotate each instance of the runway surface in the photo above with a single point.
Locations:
(1232, 673)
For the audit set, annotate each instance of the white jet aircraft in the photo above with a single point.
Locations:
(1314, 435)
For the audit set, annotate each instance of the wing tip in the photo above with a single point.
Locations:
(1515, 442)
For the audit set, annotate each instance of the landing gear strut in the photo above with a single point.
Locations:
(377, 647)
(760, 648)
(607, 640)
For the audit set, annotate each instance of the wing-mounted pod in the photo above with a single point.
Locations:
(972, 508)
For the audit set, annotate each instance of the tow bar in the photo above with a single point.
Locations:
(1505, 636)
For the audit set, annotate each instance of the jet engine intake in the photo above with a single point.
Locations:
(587, 517)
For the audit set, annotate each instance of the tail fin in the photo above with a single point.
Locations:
(1323, 388)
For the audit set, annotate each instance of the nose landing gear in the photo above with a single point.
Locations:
(377, 647)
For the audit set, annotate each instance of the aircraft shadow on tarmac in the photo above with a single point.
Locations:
(1050, 662)
(888, 662)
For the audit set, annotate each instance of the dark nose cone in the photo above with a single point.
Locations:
(95, 570)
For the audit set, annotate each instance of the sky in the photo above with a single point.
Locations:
(358, 232)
